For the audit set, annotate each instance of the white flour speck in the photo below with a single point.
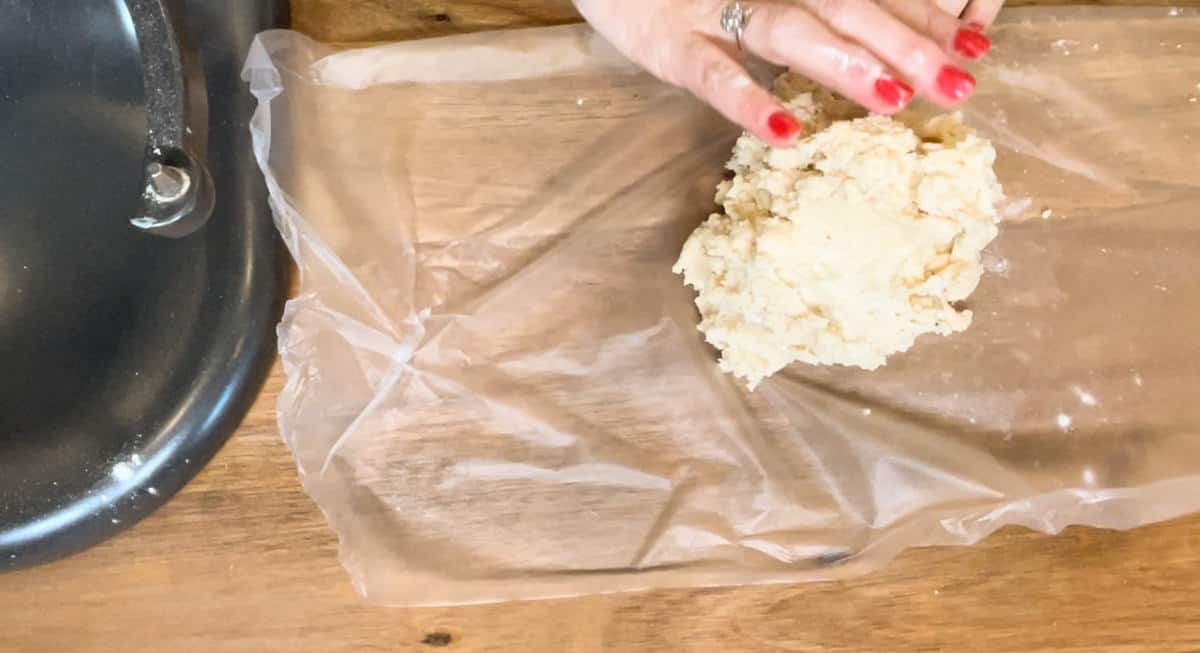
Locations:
(1046, 214)
(1064, 421)
(1138, 380)
(579, 102)
(1016, 208)
(1086, 398)
(1088, 476)
(1064, 46)
(866, 411)
(1173, 11)
(122, 471)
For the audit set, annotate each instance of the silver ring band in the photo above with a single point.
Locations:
(734, 18)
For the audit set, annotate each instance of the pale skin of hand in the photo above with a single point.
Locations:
(879, 53)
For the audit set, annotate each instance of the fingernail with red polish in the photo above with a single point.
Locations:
(783, 125)
(955, 83)
(971, 44)
(893, 91)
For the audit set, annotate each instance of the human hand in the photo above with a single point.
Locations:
(879, 53)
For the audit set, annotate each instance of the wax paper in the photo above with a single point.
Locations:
(495, 386)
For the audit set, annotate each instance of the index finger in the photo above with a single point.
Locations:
(711, 74)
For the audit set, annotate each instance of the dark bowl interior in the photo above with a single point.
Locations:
(126, 359)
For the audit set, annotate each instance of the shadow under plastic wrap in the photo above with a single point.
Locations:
(496, 389)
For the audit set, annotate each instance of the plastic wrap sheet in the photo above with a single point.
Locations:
(496, 390)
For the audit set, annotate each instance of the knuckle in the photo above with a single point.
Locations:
(918, 57)
(841, 14)
(710, 75)
(662, 62)
(665, 67)
(789, 35)
(950, 7)
(860, 65)
(783, 28)
(929, 20)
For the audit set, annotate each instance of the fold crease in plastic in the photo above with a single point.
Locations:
(495, 386)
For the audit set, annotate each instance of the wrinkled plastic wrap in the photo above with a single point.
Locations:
(495, 386)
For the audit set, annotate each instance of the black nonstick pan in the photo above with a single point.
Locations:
(140, 275)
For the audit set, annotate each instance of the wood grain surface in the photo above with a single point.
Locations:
(243, 561)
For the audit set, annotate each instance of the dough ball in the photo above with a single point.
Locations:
(845, 248)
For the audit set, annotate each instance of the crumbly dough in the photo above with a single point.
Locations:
(845, 248)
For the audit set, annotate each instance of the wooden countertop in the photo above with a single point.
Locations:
(243, 561)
